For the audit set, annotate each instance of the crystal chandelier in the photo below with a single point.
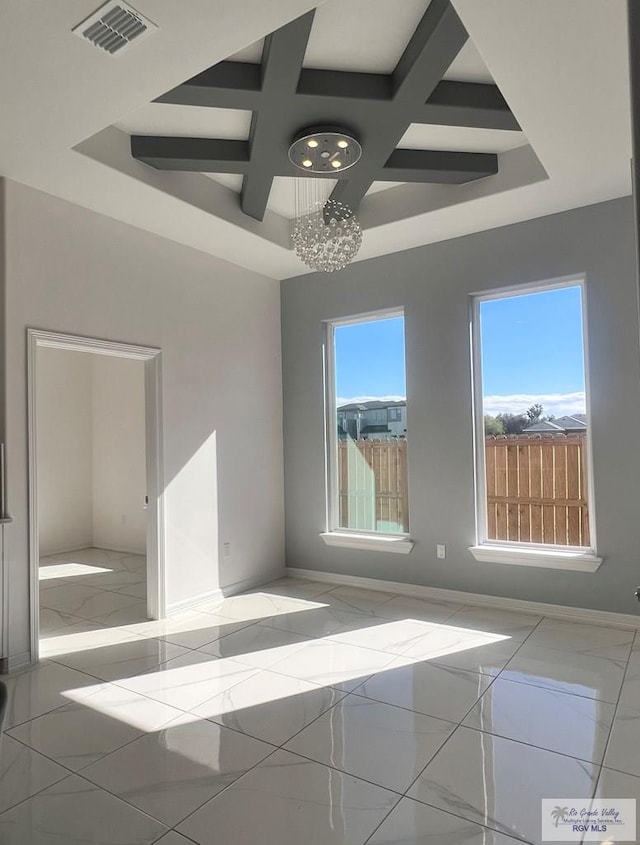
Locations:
(326, 233)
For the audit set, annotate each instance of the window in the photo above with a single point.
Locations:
(368, 490)
(395, 415)
(534, 484)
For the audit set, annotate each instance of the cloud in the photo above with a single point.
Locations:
(552, 403)
(359, 399)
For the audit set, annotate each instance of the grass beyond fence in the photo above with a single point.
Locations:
(536, 488)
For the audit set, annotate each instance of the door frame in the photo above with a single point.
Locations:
(152, 358)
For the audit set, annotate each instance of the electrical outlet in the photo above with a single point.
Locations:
(226, 549)
(441, 551)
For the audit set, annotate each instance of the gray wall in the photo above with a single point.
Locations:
(433, 284)
(73, 271)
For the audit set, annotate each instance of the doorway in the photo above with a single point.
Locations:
(95, 498)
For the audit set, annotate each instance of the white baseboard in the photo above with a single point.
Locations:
(19, 661)
(77, 547)
(575, 614)
(195, 602)
(217, 596)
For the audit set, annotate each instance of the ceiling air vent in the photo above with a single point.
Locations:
(114, 27)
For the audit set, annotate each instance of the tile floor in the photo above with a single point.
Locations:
(307, 714)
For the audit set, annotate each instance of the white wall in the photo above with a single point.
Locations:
(71, 270)
(64, 429)
(118, 460)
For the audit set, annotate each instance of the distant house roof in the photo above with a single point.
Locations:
(573, 422)
(373, 405)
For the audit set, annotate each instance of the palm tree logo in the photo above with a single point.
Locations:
(559, 814)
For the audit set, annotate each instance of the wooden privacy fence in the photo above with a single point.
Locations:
(537, 489)
(372, 485)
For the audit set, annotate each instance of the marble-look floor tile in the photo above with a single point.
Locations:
(623, 752)
(406, 607)
(591, 640)
(489, 659)
(116, 580)
(393, 635)
(40, 689)
(614, 784)
(572, 672)
(190, 629)
(425, 688)
(23, 772)
(630, 693)
(568, 724)
(173, 838)
(322, 622)
(82, 732)
(127, 610)
(83, 636)
(288, 800)
(356, 600)
(256, 606)
(86, 602)
(75, 811)
(270, 706)
(257, 646)
(122, 705)
(328, 663)
(54, 620)
(413, 823)
(447, 641)
(189, 680)
(138, 590)
(69, 598)
(513, 624)
(377, 742)
(122, 660)
(499, 783)
(171, 773)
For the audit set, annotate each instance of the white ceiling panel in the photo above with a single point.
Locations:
(469, 66)
(462, 139)
(252, 53)
(229, 180)
(368, 36)
(282, 196)
(187, 121)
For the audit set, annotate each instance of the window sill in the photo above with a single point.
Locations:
(399, 545)
(550, 559)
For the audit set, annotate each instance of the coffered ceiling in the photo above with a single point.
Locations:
(557, 128)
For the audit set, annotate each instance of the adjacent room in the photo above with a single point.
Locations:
(319, 371)
(90, 473)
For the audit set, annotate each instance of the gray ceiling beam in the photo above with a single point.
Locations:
(227, 85)
(341, 85)
(434, 45)
(237, 85)
(438, 166)
(471, 104)
(282, 59)
(191, 154)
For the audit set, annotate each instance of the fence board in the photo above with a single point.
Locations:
(537, 489)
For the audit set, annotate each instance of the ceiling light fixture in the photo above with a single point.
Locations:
(326, 233)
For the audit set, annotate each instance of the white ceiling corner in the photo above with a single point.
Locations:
(561, 65)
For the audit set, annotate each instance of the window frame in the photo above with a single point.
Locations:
(334, 534)
(578, 558)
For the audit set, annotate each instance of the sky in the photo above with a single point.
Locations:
(532, 351)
